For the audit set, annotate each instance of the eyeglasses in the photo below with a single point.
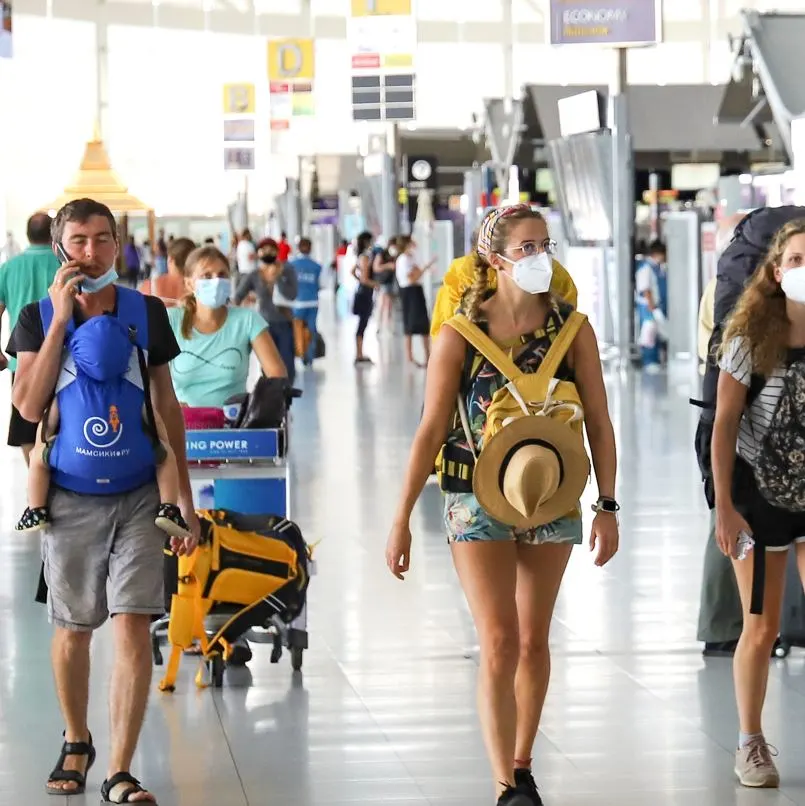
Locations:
(533, 248)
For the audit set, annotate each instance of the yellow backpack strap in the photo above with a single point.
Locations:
(561, 344)
(481, 342)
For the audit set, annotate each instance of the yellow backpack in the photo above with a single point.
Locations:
(539, 393)
(251, 568)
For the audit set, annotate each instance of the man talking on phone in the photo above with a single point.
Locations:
(95, 540)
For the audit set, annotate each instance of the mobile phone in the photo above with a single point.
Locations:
(65, 258)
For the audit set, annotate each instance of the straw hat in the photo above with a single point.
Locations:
(532, 472)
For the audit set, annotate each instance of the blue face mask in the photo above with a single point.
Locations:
(213, 293)
(92, 285)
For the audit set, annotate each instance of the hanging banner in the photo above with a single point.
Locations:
(617, 23)
(239, 126)
(291, 60)
(239, 99)
(291, 71)
(239, 159)
(375, 8)
(6, 49)
(382, 43)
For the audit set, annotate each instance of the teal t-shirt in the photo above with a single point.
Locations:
(24, 279)
(213, 367)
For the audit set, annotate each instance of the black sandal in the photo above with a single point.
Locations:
(59, 774)
(123, 778)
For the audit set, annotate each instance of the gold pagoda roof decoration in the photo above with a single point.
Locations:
(97, 180)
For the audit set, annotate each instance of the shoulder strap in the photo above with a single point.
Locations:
(132, 309)
(561, 344)
(481, 342)
(46, 315)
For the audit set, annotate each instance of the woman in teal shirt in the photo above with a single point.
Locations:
(216, 343)
(216, 340)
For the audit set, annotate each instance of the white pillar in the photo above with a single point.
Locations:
(623, 211)
(102, 69)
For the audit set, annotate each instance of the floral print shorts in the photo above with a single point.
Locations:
(466, 522)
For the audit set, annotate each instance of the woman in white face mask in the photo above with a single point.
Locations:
(216, 340)
(510, 576)
(759, 473)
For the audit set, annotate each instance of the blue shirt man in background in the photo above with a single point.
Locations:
(23, 279)
(306, 304)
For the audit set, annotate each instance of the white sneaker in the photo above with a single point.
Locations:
(755, 766)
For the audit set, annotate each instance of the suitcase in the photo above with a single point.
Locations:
(792, 620)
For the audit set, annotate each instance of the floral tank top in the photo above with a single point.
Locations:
(482, 379)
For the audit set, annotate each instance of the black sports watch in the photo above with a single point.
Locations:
(608, 505)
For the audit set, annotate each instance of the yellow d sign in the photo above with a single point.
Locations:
(291, 60)
(372, 8)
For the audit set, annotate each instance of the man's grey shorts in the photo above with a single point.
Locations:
(95, 540)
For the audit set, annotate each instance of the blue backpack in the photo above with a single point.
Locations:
(103, 444)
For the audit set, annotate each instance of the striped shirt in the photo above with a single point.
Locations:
(737, 362)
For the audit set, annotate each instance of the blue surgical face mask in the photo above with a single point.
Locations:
(92, 285)
(213, 293)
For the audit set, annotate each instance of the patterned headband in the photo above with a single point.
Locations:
(487, 229)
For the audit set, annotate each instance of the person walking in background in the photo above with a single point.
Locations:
(262, 283)
(338, 259)
(416, 321)
(131, 260)
(384, 266)
(161, 255)
(246, 254)
(651, 291)
(10, 248)
(23, 279)
(720, 613)
(284, 248)
(171, 288)
(306, 305)
(364, 300)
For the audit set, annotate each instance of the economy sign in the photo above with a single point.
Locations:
(619, 23)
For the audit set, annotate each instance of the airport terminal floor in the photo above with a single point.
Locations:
(384, 710)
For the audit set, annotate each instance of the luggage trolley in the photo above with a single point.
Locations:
(246, 471)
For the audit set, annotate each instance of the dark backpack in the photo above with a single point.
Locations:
(736, 265)
(778, 466)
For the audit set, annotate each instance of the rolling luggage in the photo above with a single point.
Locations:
(248, 571)
(792, 621)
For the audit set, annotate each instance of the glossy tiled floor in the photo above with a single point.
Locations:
(384, 711)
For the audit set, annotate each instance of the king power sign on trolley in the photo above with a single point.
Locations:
(616, 23)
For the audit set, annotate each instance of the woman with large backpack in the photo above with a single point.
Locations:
(509, 383)
(759, 481)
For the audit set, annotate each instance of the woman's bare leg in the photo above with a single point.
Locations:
(751, 662)
(488, 575)
(539, 575)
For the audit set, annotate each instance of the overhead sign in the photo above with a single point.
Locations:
(382, 97)
(375, 8)
(291, 69)
(239, 99)
(580, 113)
(387, 43)
(291, 60)
(618, 23)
